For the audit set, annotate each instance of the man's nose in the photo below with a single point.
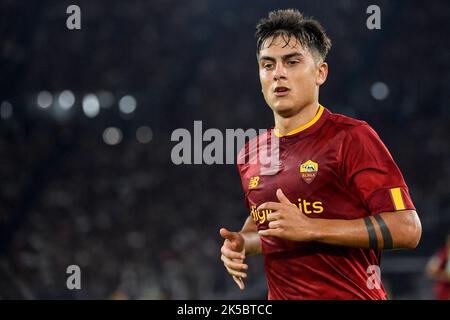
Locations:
(280, 72)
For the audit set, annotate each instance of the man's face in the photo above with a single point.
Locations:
(289, 75)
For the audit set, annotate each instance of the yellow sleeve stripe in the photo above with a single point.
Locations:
(397, 198)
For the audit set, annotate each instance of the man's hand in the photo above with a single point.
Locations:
(233, 255)
(286, 221)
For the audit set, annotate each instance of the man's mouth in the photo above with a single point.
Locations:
(281, 91)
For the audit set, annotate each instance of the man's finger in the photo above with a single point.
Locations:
(270, 206)
(236, 273)
(237, 265)
(282, 198)
(269, 232)
(239, 282)
(231, 254)
(273, 216)
(226, 234)
(274, 224)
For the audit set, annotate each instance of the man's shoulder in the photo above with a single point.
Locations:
(345, 126)
(345, 122)
(250, 150)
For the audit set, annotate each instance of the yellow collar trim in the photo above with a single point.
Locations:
(303, 127)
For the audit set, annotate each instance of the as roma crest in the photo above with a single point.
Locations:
(308, 171)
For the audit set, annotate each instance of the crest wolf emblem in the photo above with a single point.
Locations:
(308, 171)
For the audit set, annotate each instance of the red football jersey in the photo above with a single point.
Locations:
(442, 288)
(334, 167)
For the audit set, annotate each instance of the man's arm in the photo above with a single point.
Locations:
(250, 234)
(387, 230)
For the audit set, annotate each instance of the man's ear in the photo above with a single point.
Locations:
(322, 73)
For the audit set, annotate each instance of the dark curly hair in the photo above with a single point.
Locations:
(291, 23)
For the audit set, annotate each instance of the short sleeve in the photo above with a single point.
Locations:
(370, 171)
(242, 167)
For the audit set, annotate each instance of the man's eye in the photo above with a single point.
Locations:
(291, 62)
(268, 66)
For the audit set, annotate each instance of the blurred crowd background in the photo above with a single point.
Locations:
(87, 116)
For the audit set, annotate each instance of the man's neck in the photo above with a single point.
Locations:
(305, 115)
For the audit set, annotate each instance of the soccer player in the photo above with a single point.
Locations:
(438, 269)
(337, 197)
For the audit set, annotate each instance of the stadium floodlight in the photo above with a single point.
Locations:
(6, 110)
(127, 104)
(112, 136)
(44, 99)
(66, 99)
(379, 90)
(91, 105)
(144, 134)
